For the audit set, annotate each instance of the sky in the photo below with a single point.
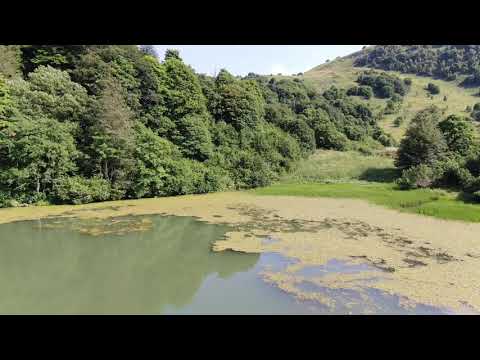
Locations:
(259, 59)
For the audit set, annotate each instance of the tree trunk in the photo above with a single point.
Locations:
(105, 170)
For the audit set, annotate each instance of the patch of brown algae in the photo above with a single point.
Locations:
(421, 259)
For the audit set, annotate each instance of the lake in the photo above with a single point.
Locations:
(154, 264)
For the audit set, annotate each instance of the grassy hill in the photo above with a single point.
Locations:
(342, 73)
(372, 177)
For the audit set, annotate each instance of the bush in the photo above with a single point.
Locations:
(392, 107)
(433, 89)
(459, 134)
(473, 186)
(386, 91)
(386, 140)
(179, 178)
(4, 200)
(454, 175)
(407, 81)
(251, 170)
(382, 84)
(476, 196)
(473, 165)
(398, 121)
(328, 137)
(476, 115)
(365, 91)
(78, 190)
(353, 91)
(420, 176)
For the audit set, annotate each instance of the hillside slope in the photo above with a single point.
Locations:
(342, 73)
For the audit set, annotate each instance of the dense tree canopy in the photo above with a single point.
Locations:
(384, 85)
(83, 123)
(440, 151)
(443, 61)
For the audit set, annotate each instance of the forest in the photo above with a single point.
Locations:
(88, 123)
(442, 61)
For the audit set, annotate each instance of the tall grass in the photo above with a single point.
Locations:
(335, 166)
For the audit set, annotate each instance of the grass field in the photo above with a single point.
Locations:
(341, 73)
(437, 203)
(351, 175)
(329, 165)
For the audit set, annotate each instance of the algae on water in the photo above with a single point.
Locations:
(419, 259)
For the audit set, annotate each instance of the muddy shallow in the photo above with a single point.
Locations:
(344, 255)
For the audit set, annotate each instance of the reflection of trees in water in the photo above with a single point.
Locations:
(61, 271)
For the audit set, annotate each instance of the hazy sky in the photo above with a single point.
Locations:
(260, 59)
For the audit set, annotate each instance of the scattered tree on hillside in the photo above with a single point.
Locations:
(433, 89)
(423, 142)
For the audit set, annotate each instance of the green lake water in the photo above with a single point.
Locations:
(145, 265)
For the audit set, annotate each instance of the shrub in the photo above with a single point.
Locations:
(433, 89)
(398, 121)
(459, 134)
(179, 178)
(476, 115)
(420, 176)
(328, 137)
(476, 196)
(78, 190)
(386, 140)
(353, 91)
(251, 170)
(386, 91)
(473, 165)
(4, 200)
(473, 186)
(365, 91)
(392, 107)
(453, 174)
(383, 85)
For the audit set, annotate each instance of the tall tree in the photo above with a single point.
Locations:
(50, 92)
(10, 61)
(113, 135)
(186, 106)
(149, 50)
(35, 153)
(423, 142)
(240, 102)
(5, 100)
